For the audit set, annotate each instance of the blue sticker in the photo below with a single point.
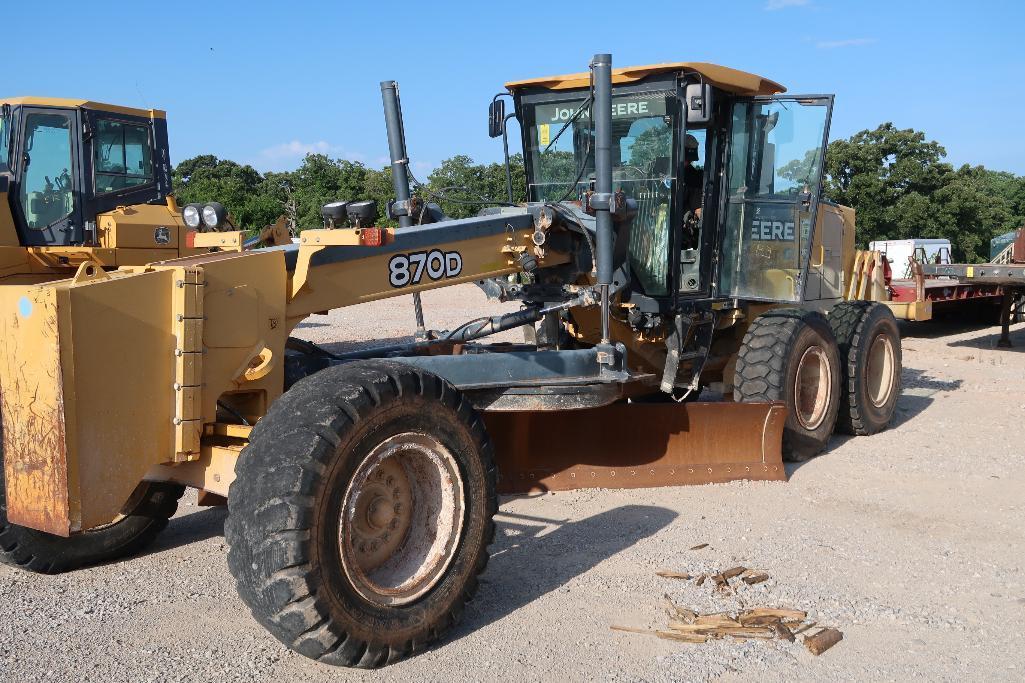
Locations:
(24, 307)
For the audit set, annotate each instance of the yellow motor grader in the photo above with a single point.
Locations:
(674, 241)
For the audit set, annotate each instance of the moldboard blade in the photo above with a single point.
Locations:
(638, 445)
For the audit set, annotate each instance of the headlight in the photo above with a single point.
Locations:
(214, 215)
(190, 214)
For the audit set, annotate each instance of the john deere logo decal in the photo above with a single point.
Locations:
(162, 235)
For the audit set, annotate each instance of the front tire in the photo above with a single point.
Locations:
(869, 342)
(790, 355)
(361, 513)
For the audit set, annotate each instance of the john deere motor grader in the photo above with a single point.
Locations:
(668, 245)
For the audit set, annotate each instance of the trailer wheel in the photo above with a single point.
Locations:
(150, 507)
(790, 355)
(869, 342)
(361, 513)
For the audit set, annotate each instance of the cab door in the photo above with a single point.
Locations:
(47, 181)
(773, 188)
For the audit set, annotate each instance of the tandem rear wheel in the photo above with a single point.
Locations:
(869, 342)
(361, 513)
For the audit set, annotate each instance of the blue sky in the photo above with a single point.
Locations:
(265, 82)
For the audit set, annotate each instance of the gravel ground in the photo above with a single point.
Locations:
(910, 542)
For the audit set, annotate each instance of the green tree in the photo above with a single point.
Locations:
(240, 188)
(1010, 188)
(901, 188)
(320, 180)
(377, 185)
(460, 186)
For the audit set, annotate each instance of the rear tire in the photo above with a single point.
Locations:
(790, 355)
(869, 342)
(361, 513)
(45, 553)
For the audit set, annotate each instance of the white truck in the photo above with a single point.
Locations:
(899, 252)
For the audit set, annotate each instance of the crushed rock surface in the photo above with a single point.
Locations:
(911, 542)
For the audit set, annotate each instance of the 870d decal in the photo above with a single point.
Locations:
(409, 269)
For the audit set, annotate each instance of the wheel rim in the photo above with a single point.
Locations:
(401, 519)
(813, 387)
(879, 376)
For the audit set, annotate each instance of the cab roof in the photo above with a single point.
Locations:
(83, 104)
(723, 77)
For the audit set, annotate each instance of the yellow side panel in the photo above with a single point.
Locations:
(32, 399)
(145, 226)
(119, 361)
(325, 286)
(244, 317)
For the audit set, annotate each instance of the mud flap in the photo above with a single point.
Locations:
(638, 445)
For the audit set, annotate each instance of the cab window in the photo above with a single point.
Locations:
(122, 156)
(46, 193)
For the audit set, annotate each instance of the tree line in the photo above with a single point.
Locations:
(257, 199)
(896, 180)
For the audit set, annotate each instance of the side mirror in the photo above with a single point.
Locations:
(496, 118)
(698, 104)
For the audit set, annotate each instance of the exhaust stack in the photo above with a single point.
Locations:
(400, 175)
(602, 201)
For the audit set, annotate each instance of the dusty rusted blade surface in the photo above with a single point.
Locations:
(638, 445)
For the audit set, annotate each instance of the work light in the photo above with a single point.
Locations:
(190, 214)
(214, 215)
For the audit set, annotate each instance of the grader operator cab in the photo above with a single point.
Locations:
(674, 238)
(88, 181)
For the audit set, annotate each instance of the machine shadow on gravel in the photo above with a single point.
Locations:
(916, 395)
(988, 342)
(188, 529)
(940, 327)
(526, 565)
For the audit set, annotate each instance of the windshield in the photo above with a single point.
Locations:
(5, 139)
(561, 159)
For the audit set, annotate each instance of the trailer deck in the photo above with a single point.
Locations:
(1006, 278)
(979, 273)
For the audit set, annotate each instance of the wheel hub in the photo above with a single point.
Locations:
(879, 371)
(812, 389)
(402, 519)
(381, 519)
